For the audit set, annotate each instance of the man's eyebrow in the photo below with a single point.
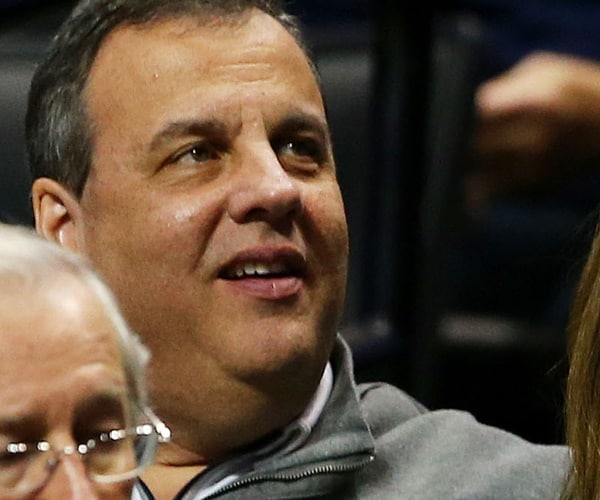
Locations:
(183, 128)
(296, 122)
(11, 424)
(106, 401)
(301, 122)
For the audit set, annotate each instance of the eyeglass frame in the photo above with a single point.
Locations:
(154, 427)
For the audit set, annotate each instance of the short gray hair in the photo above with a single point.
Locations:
(30, 263)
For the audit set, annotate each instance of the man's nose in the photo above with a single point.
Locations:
(70, 481)
(264, 190)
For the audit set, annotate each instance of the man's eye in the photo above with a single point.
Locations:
(10, 458)
(197, 154)
(106, 441)
(15, 453)
(305, 149)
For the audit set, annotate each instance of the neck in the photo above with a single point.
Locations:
(215, 421)
(176, 464)
(211, 422)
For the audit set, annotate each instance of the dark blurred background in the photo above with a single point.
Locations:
(461, 310)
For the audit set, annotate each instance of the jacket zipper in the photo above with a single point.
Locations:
(315, 471)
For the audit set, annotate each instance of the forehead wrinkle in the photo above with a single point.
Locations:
(259, 62)
(246, 73)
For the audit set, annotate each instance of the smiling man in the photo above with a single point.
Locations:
(183, 145)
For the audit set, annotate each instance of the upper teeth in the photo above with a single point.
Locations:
(257, 269)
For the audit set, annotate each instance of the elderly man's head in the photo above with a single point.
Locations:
(71, 376)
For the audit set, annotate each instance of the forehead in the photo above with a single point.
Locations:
(174, 65)
(251, 34)
(55, 339)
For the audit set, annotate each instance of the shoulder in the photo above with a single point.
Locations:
(448, 454)
(385, 406)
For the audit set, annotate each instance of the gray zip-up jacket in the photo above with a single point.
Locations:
(373, 441)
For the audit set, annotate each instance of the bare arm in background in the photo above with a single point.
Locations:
(537, 124)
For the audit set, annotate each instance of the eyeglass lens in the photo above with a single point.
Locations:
(109, 457)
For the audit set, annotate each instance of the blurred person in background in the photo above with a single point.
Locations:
(583, 388)
(532, 177)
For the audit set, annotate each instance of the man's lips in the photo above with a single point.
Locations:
(266, 272)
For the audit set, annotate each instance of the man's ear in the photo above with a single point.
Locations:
(56, 212)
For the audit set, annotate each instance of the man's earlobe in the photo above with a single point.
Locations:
(56, 212)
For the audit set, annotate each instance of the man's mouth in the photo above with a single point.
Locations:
(265, 263)
(255, 269)
(266, 274)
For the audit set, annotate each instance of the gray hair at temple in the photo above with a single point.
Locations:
(58, 131)
(30, 264)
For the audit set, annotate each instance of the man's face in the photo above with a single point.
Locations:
(212, 206)
(61, 381)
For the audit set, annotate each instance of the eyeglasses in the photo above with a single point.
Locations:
(109, 457)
